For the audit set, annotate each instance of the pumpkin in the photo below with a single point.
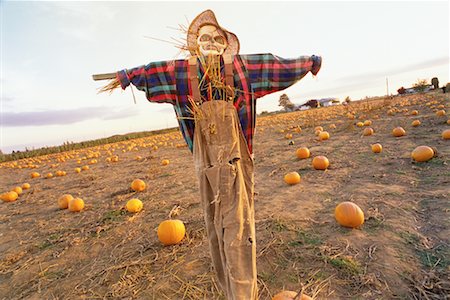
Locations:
(26, 186)
(171, 232)
(414, 113)
(35, 175)
(367, 131)
(422, 153)
(76, 204)
(398, 132)
(440, 113)
(292, 178)
(288, 136)
(302, 152)
(298, 129)
(85, 168)
(290, 295)
(360, 124)
(138, 185)
(415, 123)
(17, 189)
(165, 162)
(63, 201)
(446, 134)
(448, 121)
(320, 162)
(376, 148)
(318, 128)
(49, 175)
(332, 126)
(134, 205)
(367, 123)
(348, 214)
(317, 132)
(77, 170)
(9, 196)
(324, 135)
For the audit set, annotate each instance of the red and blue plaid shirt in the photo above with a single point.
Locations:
(255, 75)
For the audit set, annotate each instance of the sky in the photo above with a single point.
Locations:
(49, 51)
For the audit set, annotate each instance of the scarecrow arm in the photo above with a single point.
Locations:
(156, 79)
(269, 73)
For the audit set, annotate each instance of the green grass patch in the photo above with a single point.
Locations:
(347, 266)
(305, 238)
(113, 216)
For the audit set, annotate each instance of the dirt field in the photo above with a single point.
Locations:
(402, 251)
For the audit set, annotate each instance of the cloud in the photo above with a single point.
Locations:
(63, 117)
(436, 62)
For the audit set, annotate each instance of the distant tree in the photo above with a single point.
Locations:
(446, 88)
(435, 82)
(420, 85)
(401, 91)
(348, 99)
(286, 103)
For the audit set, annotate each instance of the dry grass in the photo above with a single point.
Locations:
(401, 252)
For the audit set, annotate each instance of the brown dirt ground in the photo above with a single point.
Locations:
(401, 252)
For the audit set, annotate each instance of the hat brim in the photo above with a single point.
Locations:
(205, 18)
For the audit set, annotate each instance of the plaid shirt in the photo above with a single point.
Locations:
(255, 75)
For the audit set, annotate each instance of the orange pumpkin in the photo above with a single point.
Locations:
(138, 185)
(26, 186)
(367, 123)
(302, 152)
(290, 295)
(368, 131)
(134, 205)
(288, 136)
(320, 162)
(422, 154)
(376, 148)
(17, 189)
(63, 201)
(292, 178)
(320, 128)
(76, 204)
(360, 124)
(9, 196)
(446, 134)
(35, 175)
(414, 113)
(348, 214)
(398, 132)
(440, 113)
(332, 126)
(171, 232)
(298, 129)
(415, 123)
(165, 162)
(324, 135)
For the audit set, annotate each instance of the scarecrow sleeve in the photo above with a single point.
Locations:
(269, 73)
(157, 80)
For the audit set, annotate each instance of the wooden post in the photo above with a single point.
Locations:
(104, 76)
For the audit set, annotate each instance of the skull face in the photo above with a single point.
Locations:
(211, 41)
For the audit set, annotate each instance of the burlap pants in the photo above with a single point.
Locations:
(225, 171)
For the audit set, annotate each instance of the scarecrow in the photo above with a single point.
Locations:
(214, 95)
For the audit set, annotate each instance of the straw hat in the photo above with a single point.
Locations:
(208, 18)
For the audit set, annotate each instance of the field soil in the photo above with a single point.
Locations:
(402, 251)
